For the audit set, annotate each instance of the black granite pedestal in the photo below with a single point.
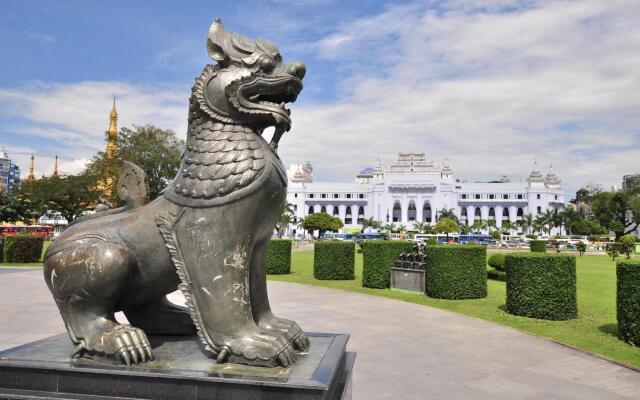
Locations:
(180, 370)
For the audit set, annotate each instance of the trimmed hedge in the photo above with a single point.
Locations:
(279, 257)
(496, 275)
(497, 261)
(628, 300)
(23, 248)
(377, 260)
(1, 249)
(456, 271)
(541, 286)
(538, 246)
(334, 260)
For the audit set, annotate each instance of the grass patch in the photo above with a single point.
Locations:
(594, 330)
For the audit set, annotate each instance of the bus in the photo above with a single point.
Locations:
(441, 238)
(338, 236)
(46, 231)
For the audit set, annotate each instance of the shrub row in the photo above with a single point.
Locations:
(378, 258)
(541, 286)
(456, 271)
(23, 248)
(628, 300)
(538, 246)
(279, 257)
(334, 260)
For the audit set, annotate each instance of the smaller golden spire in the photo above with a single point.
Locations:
(31, 175)
(55, 169)
(112, 132)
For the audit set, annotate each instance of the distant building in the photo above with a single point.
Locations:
(9, 173)
(629, 180)
(413, 189)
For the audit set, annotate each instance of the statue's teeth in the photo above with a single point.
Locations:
(282, 105)
(254, 97)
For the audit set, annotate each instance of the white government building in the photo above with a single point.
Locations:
(413, 189)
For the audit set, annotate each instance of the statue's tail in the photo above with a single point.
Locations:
(132, 189)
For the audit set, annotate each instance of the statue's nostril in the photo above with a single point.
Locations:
(298, 69)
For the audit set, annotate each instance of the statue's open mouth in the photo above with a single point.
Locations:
(270, 94)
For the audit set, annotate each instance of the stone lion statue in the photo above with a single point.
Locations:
(207, 234)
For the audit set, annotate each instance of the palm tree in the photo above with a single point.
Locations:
(508, 226)
(549, 219)
(540, 223)
(420, 226)
(448, 213)
(466, 229)
(569, 216)
(527, 223)
(479, 224)
(370, 223)
(286, 217)
(491, 224)
(402, 228)
(388, 227)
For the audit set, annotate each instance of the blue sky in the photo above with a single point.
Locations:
(490, 84)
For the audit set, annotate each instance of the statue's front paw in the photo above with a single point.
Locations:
(259, 349)
(122, 344)
(292, 332)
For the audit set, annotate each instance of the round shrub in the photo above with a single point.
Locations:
(378, 258)
(456, 271)
(23, 248)
(334, 260)
(538, 246)
(496, 261)
(628, 300)
(541, 286)
(279, 257)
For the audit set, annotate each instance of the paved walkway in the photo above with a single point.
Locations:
(405, 351)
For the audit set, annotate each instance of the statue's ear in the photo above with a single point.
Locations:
(215, 43)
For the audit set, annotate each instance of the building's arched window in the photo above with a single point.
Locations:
(426, 212)
(411, 211)
(397, 212)
(464, 218)
(492, 213)
(520, 213)
(360, 214)
(323, 209)
(505, 213)
(336, 212)
(477, 213)
(347, 218)
(311, 211)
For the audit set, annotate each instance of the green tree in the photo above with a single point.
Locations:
(581, 247)
(627, 242)
(508, 226)
(157, 151)
(69, 195)
(447, 213)
(447, 226)
(569, 218)
(286, 218)
(618, 212)
(370, 223)
(321, 222)
(527, 222)
(496, 235)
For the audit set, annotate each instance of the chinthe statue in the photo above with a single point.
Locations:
(207, 234)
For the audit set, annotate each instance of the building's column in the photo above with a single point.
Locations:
(498, 217)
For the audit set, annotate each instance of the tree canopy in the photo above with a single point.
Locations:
(446, 226)
(321, 222)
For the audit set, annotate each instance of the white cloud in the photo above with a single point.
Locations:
(490, 89)
(73, 118)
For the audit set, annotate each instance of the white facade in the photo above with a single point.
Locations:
(413, 189)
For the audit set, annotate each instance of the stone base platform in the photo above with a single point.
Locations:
(180, 370)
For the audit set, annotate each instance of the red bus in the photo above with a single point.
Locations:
(45, 231)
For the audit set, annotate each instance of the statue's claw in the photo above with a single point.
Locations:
(123, 344)
(291, 331)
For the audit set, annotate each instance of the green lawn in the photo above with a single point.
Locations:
(594, 330)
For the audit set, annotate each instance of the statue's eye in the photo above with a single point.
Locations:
(267, 64)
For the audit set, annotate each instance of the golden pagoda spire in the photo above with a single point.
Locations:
(31, 175)
(55, 169)
(112, 133)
